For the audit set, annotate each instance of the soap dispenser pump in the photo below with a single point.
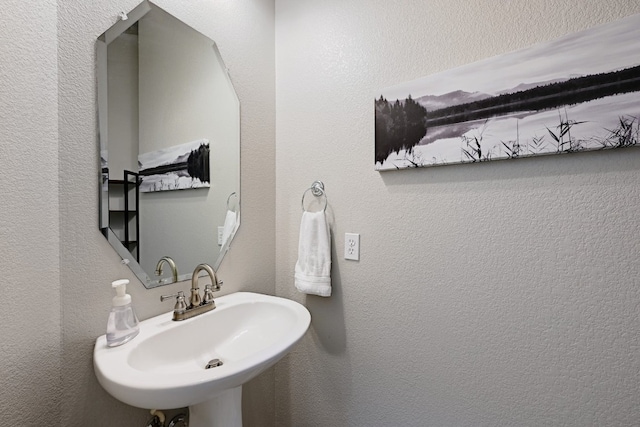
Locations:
(122, 325)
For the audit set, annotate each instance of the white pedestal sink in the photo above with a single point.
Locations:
(164, 367)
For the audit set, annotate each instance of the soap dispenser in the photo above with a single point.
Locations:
(122, 325)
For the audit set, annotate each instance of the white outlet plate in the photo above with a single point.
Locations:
(220, 233)
(352, 246)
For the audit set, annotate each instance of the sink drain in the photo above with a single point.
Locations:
(213, 363)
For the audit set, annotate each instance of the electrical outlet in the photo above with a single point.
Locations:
(352, 246)
(220, 233)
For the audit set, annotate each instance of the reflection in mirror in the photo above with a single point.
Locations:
(169, 135)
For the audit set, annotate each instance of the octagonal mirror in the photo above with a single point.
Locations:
(169, 133)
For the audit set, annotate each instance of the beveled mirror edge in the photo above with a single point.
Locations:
(103, 176)
(102, 91)
(126, 259)
(227, 244)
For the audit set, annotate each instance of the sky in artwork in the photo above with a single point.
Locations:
(168, 155)
(605, 48)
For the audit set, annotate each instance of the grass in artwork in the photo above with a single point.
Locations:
(472, 147)
(514, 149)
(538, 145)
(624, 135)
(558, 140)
(562, 135)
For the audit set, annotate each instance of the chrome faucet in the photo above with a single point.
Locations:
(196, 304)
(208, 290)
(172, 265)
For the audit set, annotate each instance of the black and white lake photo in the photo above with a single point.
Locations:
(576, 93)
(179, 167)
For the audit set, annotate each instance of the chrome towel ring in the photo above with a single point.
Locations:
(229, 198)
(317, 189)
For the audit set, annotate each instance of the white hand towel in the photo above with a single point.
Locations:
(229, 226)
(313, 269)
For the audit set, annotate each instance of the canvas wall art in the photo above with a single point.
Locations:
(579, 92)
(179, 167)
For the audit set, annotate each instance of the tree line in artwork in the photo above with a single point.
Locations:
(198, 163)
(543, 97)
(399, 126)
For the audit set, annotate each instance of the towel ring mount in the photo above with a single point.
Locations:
(317, 189)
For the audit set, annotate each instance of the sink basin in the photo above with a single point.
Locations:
(165, 366)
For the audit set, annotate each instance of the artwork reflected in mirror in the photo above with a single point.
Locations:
(170, 145)
(181, 167)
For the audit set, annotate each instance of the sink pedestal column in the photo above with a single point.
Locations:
(224, 410)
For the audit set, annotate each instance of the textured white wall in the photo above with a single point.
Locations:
(30, 285)
(504, 293)
(244, 32)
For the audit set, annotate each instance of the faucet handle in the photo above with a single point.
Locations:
(208, 294)
(181, 305)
